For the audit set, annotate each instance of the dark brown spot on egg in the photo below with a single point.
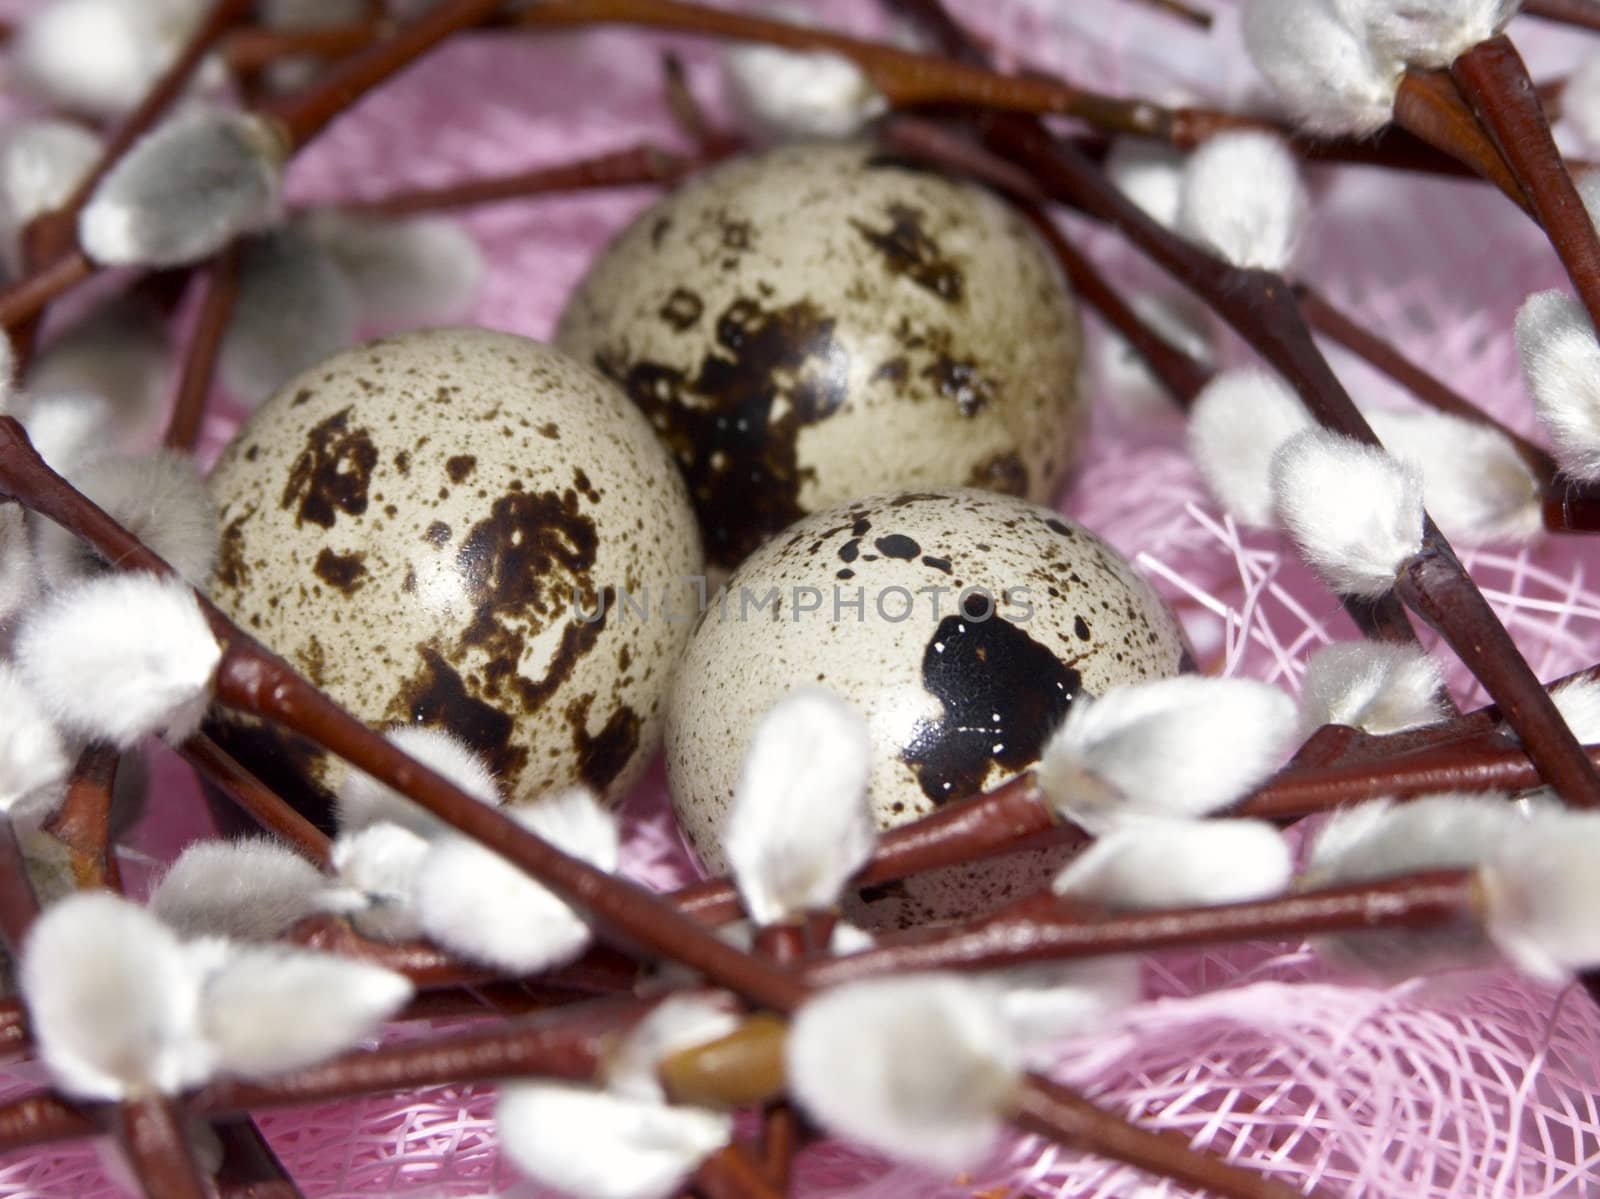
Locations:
(1002, 694)
(1080, 628)
(898, 546)
(332, 473)
(1005, 473)
(300, 397)
(682, 309)
(908, 250)
(961, 381)
(739, 457)
(437, 534)
(343, 572)
(602, 756)
(436, 696)
(233, 564)
(460, 467)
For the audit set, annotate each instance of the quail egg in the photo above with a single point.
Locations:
(959, 623)
(823, 321)
(434, 528)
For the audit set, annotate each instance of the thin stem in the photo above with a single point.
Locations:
(1585, 14)
(19, 906)
(1198, 17)
(1182, 375)
(302, 116)
(42, 1119)
(962, 831)
(200, 360)
(250, 1169)
(83, 822)
(151, 1135)
(730, 1174)
(1496, 83)
(1430, 107)
(1056, 931)
(1053, 1110)
(27, 297)
(1431, 584)
(255, 799)
(1328, 320)
(903, 77)
(568, 1044)
(1478, 765)
(252, 48)
(637, 165)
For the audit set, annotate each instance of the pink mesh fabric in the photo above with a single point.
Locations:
(1454, 1087)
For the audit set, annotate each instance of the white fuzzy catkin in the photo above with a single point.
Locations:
(378, 867)
(1134, 393)
(1474, 483)
(246, 890)
(1328, 76)
(1169, 747)
(119, 353)
(475, 903)
(1429, 33)
(1149, 173)
(1561, 362)
(1179, 864)
(159, 498)
(41, 161)
(1047, 1001)
(589, 1142)
(1242, 197)
(1236, 424)
(269, 1009)
(185, 190)
(1381, 838)
(1578, 701)
(921, 1067)
(1541, 892)
(1372, 686)
(1354, 510)
(800, 93)
(121, 657)
(33, 756)
(100, 56)
(113, 1000)
(364, 801)
(295, 308)
(67, 429)
(413, 269)
(800, 825)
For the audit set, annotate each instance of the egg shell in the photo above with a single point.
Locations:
(823, 321)
(954, 704)
(426, 526)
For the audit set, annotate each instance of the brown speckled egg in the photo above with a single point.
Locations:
(821, 322)
(961, 624)
(428, 525)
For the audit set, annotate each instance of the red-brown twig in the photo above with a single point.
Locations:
(636, 166)
(1496, 83)
(1050, 930)
(200, 360)
(152, 1137)
(83, 822)
(259, 802)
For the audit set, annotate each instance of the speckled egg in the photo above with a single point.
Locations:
(435, 528)
(824, 321)
(961, 625)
